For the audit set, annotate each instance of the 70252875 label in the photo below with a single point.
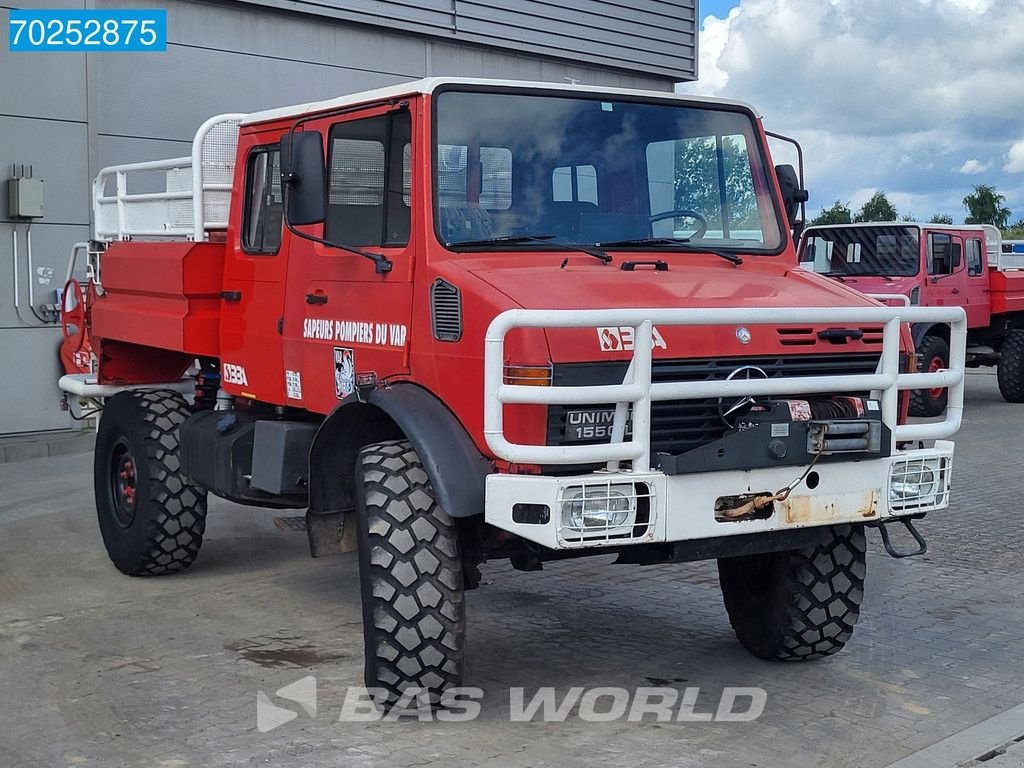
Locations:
(87, 30)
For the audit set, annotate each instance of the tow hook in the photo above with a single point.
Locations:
(883, 528)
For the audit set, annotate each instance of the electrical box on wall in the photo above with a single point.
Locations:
(24, 198)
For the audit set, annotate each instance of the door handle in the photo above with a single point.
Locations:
(231, 295)
(955, 290)
(316, 298)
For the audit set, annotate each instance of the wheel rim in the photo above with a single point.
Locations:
(124, 484)
(936, 364)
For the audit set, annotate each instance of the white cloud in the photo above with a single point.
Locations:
(1015, 158)
(972, 167)
(877, 95)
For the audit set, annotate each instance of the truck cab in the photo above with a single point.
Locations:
(933, 265)
(460, 320)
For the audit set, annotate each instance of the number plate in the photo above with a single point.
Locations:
(590, 425)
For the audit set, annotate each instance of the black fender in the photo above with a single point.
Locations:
(456, 468)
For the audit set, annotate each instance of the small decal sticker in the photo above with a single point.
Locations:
(235, 374)
(344, 372)
(780, 429)
(293, 384)
(615, 339)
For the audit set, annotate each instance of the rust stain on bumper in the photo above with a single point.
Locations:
(826, 508)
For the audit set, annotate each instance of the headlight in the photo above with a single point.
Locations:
(913, 484)
(598, 508)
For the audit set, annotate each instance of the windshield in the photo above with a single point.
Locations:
(891, 251)
(588, 170)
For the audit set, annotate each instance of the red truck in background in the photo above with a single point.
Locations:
(461, 320)
(935, 265)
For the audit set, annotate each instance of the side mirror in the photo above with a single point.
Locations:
(304, 176)
(957, 257)
(792, 194)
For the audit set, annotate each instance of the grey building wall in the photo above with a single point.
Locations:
(68, 114)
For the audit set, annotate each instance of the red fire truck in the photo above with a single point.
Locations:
(462, 320)
(940, 266)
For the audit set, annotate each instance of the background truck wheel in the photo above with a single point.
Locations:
(411, 575)
(799, 605)
(1011, 367)
(152, 519)
(932, 354)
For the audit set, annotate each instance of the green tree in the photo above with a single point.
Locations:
(941, 218)
(839, 213)
(986, 206)
(1016, 230)
(878, 208)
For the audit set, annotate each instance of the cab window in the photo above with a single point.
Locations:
(940, 254)
(261, 228)
(370, 180)
(974, 266)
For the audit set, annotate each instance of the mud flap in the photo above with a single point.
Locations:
(331, 533)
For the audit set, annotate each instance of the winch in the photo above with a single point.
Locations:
(787, 433)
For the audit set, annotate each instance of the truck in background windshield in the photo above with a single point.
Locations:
(935, 265)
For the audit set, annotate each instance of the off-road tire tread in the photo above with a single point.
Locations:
(814, 603)
(411, 574)
(175, 516)
(921, 403)
(1010, 371)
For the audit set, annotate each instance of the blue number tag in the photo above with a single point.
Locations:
(87, 30)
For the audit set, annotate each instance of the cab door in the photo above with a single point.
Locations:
(252, 301)
(977, 295)
(344, 316)
(943, 287)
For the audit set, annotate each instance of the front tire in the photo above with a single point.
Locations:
(152, 519)
(410, 568)
(798, 605)
(932, 355)
(1010, 371)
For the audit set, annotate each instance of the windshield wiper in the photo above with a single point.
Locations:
(597, 253)
(840, 276)
(677, 241)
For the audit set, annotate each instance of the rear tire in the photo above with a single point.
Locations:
(798, 605)
(932, 354)
(151, 517)
(414, 623)
(1010, 371)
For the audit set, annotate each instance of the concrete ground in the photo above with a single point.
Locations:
(99, 669)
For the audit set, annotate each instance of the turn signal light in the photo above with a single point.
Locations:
(528, 375)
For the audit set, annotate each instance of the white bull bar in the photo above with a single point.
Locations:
(637, 389)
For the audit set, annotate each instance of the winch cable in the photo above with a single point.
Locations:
(759, 503)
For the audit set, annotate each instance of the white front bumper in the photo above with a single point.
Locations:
(682, 507)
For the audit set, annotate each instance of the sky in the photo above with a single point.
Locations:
(920, 98)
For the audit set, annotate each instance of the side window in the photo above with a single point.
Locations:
(974, 266)
(261, 228)
(369, 182)
(940, 254)
(574, 183)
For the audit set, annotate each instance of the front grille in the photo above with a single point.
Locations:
(678, 426)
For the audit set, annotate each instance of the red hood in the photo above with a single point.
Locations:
(690, 281)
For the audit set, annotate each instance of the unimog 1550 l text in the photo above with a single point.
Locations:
(466, 320)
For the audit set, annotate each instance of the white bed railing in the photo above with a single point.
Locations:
(196, 194)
